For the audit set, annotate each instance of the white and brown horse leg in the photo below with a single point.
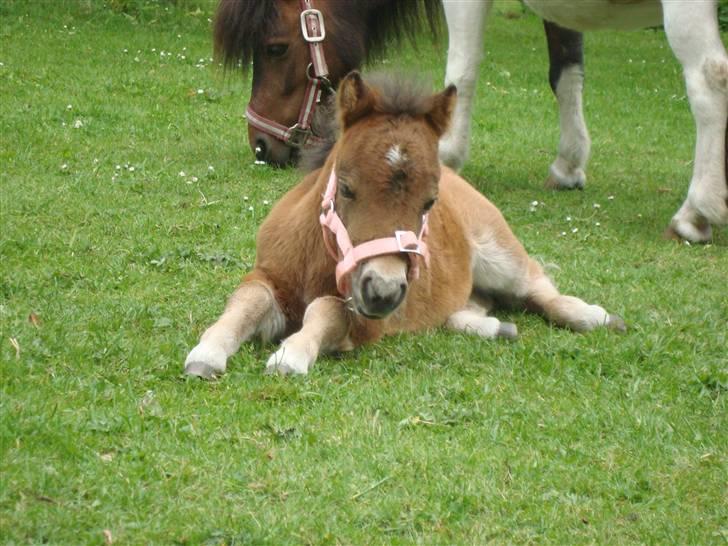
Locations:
(692, 30)
(474, 319)
(566, 76)
(325, 329)
(465, 25)
(568, 311)
(251, 311)
(504, 270)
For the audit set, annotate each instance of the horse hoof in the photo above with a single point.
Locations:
(206, 361)
(615, 322)
(507, 330)
(288, 360)
(558, 180)
(201, 370)
(681, 230)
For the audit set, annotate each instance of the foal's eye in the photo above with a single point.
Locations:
(276, 50)
(346, 192)
(429, 204)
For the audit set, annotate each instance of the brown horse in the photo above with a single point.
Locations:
(299, 50)
(417, 247)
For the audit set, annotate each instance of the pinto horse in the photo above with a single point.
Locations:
(301, 48)
(397, 243)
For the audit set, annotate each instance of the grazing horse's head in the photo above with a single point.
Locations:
(387, 174)
(299, 50)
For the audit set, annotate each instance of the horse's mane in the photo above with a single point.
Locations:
(397, 94)
(241, 26)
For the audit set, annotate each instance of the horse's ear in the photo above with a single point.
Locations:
(443, 105)
(355, 99)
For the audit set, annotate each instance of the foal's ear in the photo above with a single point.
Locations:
(443, 105)
(355, 99)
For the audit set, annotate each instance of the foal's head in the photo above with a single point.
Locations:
(269, 34)
(388, 174)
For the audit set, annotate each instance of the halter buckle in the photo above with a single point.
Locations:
(298, 136)
(398, 237)
(304, 26)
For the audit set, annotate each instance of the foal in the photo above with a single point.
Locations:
(417, 247)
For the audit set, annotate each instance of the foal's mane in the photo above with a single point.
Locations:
(398, 94)
(242, 25)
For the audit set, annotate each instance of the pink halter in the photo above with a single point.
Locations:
(314, 32)
(333, 228)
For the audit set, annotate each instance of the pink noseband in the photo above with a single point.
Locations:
(349, 256)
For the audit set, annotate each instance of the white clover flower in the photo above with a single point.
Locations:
(77, 124)
(182, 173)
(211, 168)
(596, 206)
(194, 179)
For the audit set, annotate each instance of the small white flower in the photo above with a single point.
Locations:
(182, 173)
(266, 202)
(131, 169)
(574, 230)
(200, 91)
(563, 233)
(69, 107)
(118, 167)
(194, 179)
(64, 167)
(611, 197)
(126, 50)
(245, 198)
(136, 59)
(568, 218)
(597, 224)
(250, 208)
(77, 124)
(154, 49)
(596, 206)
(211, 168)
(534, 203)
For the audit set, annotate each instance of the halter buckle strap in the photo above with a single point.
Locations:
(296, 136)
(348, 256)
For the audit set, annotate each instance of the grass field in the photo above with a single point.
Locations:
(130, 204)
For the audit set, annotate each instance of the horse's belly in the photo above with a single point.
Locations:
(584, 15)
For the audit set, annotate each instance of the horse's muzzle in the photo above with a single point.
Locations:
(376, 291)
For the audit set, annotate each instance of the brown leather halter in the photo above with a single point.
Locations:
(296, 136)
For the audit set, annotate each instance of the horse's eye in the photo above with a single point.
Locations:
(429, 204)
(276, 50)
(346, 192)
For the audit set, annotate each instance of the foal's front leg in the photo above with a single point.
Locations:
(325, 328)
(251, 310)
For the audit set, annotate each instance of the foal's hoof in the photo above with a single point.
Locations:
(206, 361)
(201, 370)
(507, 330)
(289, 360)
(615, 322)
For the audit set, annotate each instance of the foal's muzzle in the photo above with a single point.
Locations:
(379, 286)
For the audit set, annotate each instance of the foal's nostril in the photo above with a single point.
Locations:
(260, 150)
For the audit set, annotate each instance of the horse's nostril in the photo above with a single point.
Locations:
(260, 150)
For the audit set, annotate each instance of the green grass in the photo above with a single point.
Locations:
(110, 274)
